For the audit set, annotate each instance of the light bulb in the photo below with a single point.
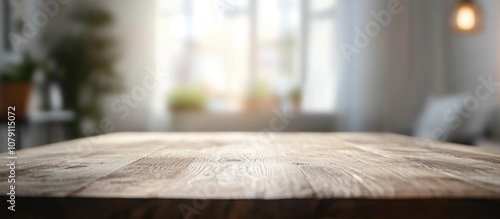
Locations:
(466, 17)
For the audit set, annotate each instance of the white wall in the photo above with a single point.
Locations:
(471, 55)
(417, 56)
(375, 84)
(134, 28)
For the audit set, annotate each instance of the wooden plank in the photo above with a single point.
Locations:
(61, 169)
(248, 175)
(239, 165)
(476, 166)
(342, 169)
(218, 169)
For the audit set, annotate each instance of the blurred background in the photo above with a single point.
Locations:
(423, 68)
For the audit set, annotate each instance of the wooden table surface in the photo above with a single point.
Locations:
(248, 175)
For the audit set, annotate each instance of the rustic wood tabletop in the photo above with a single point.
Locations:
(255, 175)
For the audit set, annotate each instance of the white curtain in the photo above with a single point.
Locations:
(385, 85)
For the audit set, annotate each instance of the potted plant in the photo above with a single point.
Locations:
(186, 105)
(85, 58)
(15, 88)
(261, 98)
(295, 96)
(187, 99)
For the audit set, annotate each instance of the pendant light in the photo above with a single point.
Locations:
(467, 16)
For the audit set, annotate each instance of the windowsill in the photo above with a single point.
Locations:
(251, 121)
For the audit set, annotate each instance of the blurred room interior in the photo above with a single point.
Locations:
(422, 68)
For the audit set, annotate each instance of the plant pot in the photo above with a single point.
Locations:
(15, 95)
(262, 104)
(296, 103)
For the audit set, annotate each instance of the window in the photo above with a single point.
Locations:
(238, 50)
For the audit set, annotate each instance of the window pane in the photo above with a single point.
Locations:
(319, 90)
(207, 44)
(279, 44)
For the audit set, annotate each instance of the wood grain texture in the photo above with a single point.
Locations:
(324, 172)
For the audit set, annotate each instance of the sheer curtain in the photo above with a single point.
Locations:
(384, 86)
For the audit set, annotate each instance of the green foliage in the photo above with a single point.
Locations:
(85, 59)
(92, 16)
(260, 90)
(21, 72)
(187, 99)
(295, 94)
